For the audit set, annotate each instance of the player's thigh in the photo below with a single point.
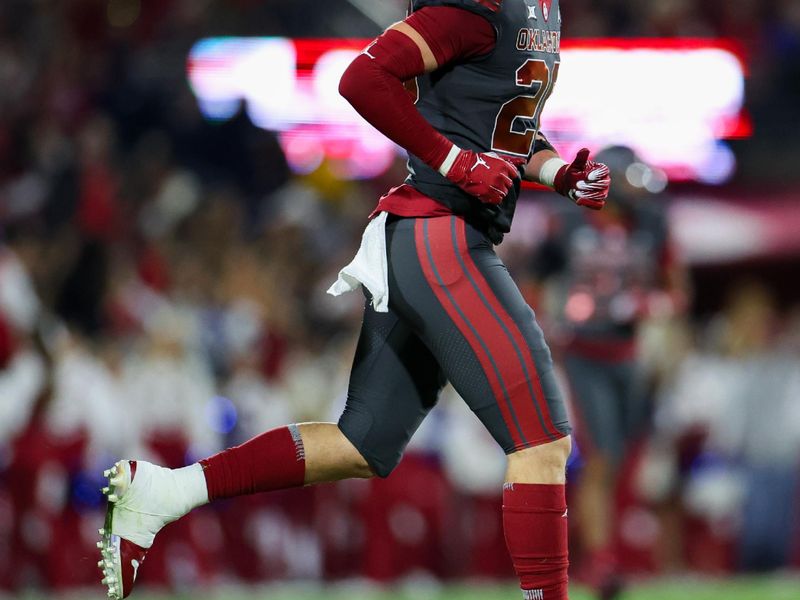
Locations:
(597, 405)
(634, 398)
(447, 281)
(394, 383)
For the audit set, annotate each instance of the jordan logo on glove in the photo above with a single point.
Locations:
(490, 185)
(478, 162)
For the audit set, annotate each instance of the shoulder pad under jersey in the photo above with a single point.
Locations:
(485, 8)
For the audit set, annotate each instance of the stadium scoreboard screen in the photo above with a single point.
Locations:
(676, 101)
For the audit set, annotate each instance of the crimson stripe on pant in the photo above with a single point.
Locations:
(436, 256)
(535, 398)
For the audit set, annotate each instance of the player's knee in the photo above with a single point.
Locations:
(555, 454)
(375, 466)
(551, 456)
(359, 468)
(385, 468)
(353, 464)
(373, 455)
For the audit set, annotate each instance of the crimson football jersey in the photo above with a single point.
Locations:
(493, 102)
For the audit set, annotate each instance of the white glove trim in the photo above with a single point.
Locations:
(445, 167)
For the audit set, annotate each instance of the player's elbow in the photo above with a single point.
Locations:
(355, 83)
(348, 84)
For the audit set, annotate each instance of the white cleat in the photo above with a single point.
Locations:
(142, 499)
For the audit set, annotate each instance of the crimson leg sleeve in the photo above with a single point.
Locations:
(274, 460)
(535, 525)
(373, 84)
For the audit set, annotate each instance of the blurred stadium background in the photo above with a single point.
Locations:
(177, 191)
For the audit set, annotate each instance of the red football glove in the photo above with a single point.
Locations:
(487, 175)
(584, 181)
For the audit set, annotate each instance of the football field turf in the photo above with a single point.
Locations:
(741, 589)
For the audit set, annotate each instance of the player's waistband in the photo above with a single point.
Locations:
(606, 350)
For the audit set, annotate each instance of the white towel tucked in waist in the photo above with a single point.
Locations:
(369, 267)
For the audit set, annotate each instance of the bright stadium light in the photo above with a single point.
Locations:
(262, 72)
(673, 101)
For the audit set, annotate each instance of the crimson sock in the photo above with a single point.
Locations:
(274, 460)
(599, 567)
(535, 524)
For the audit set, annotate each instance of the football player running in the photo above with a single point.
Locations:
(440, 305)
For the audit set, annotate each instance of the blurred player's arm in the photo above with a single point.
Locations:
(674, 287)
(374, 84)
(583, 181)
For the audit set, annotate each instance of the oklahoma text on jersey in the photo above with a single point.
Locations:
(539, 40)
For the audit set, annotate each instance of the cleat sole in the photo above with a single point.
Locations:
(109, 543)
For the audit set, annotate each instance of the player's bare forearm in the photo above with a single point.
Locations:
(534, 167)
(676, 288)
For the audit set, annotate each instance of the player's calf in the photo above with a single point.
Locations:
(330, 456)
(535, 519)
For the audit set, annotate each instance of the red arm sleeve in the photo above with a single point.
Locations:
(373, 83)
(453, 33)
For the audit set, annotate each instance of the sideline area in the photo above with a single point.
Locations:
(771, 588)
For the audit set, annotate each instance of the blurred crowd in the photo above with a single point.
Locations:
(162, 296)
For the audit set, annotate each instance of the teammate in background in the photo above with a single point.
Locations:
(440, 304)
(606, 272)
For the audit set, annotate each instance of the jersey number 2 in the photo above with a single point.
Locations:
(517, 122)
